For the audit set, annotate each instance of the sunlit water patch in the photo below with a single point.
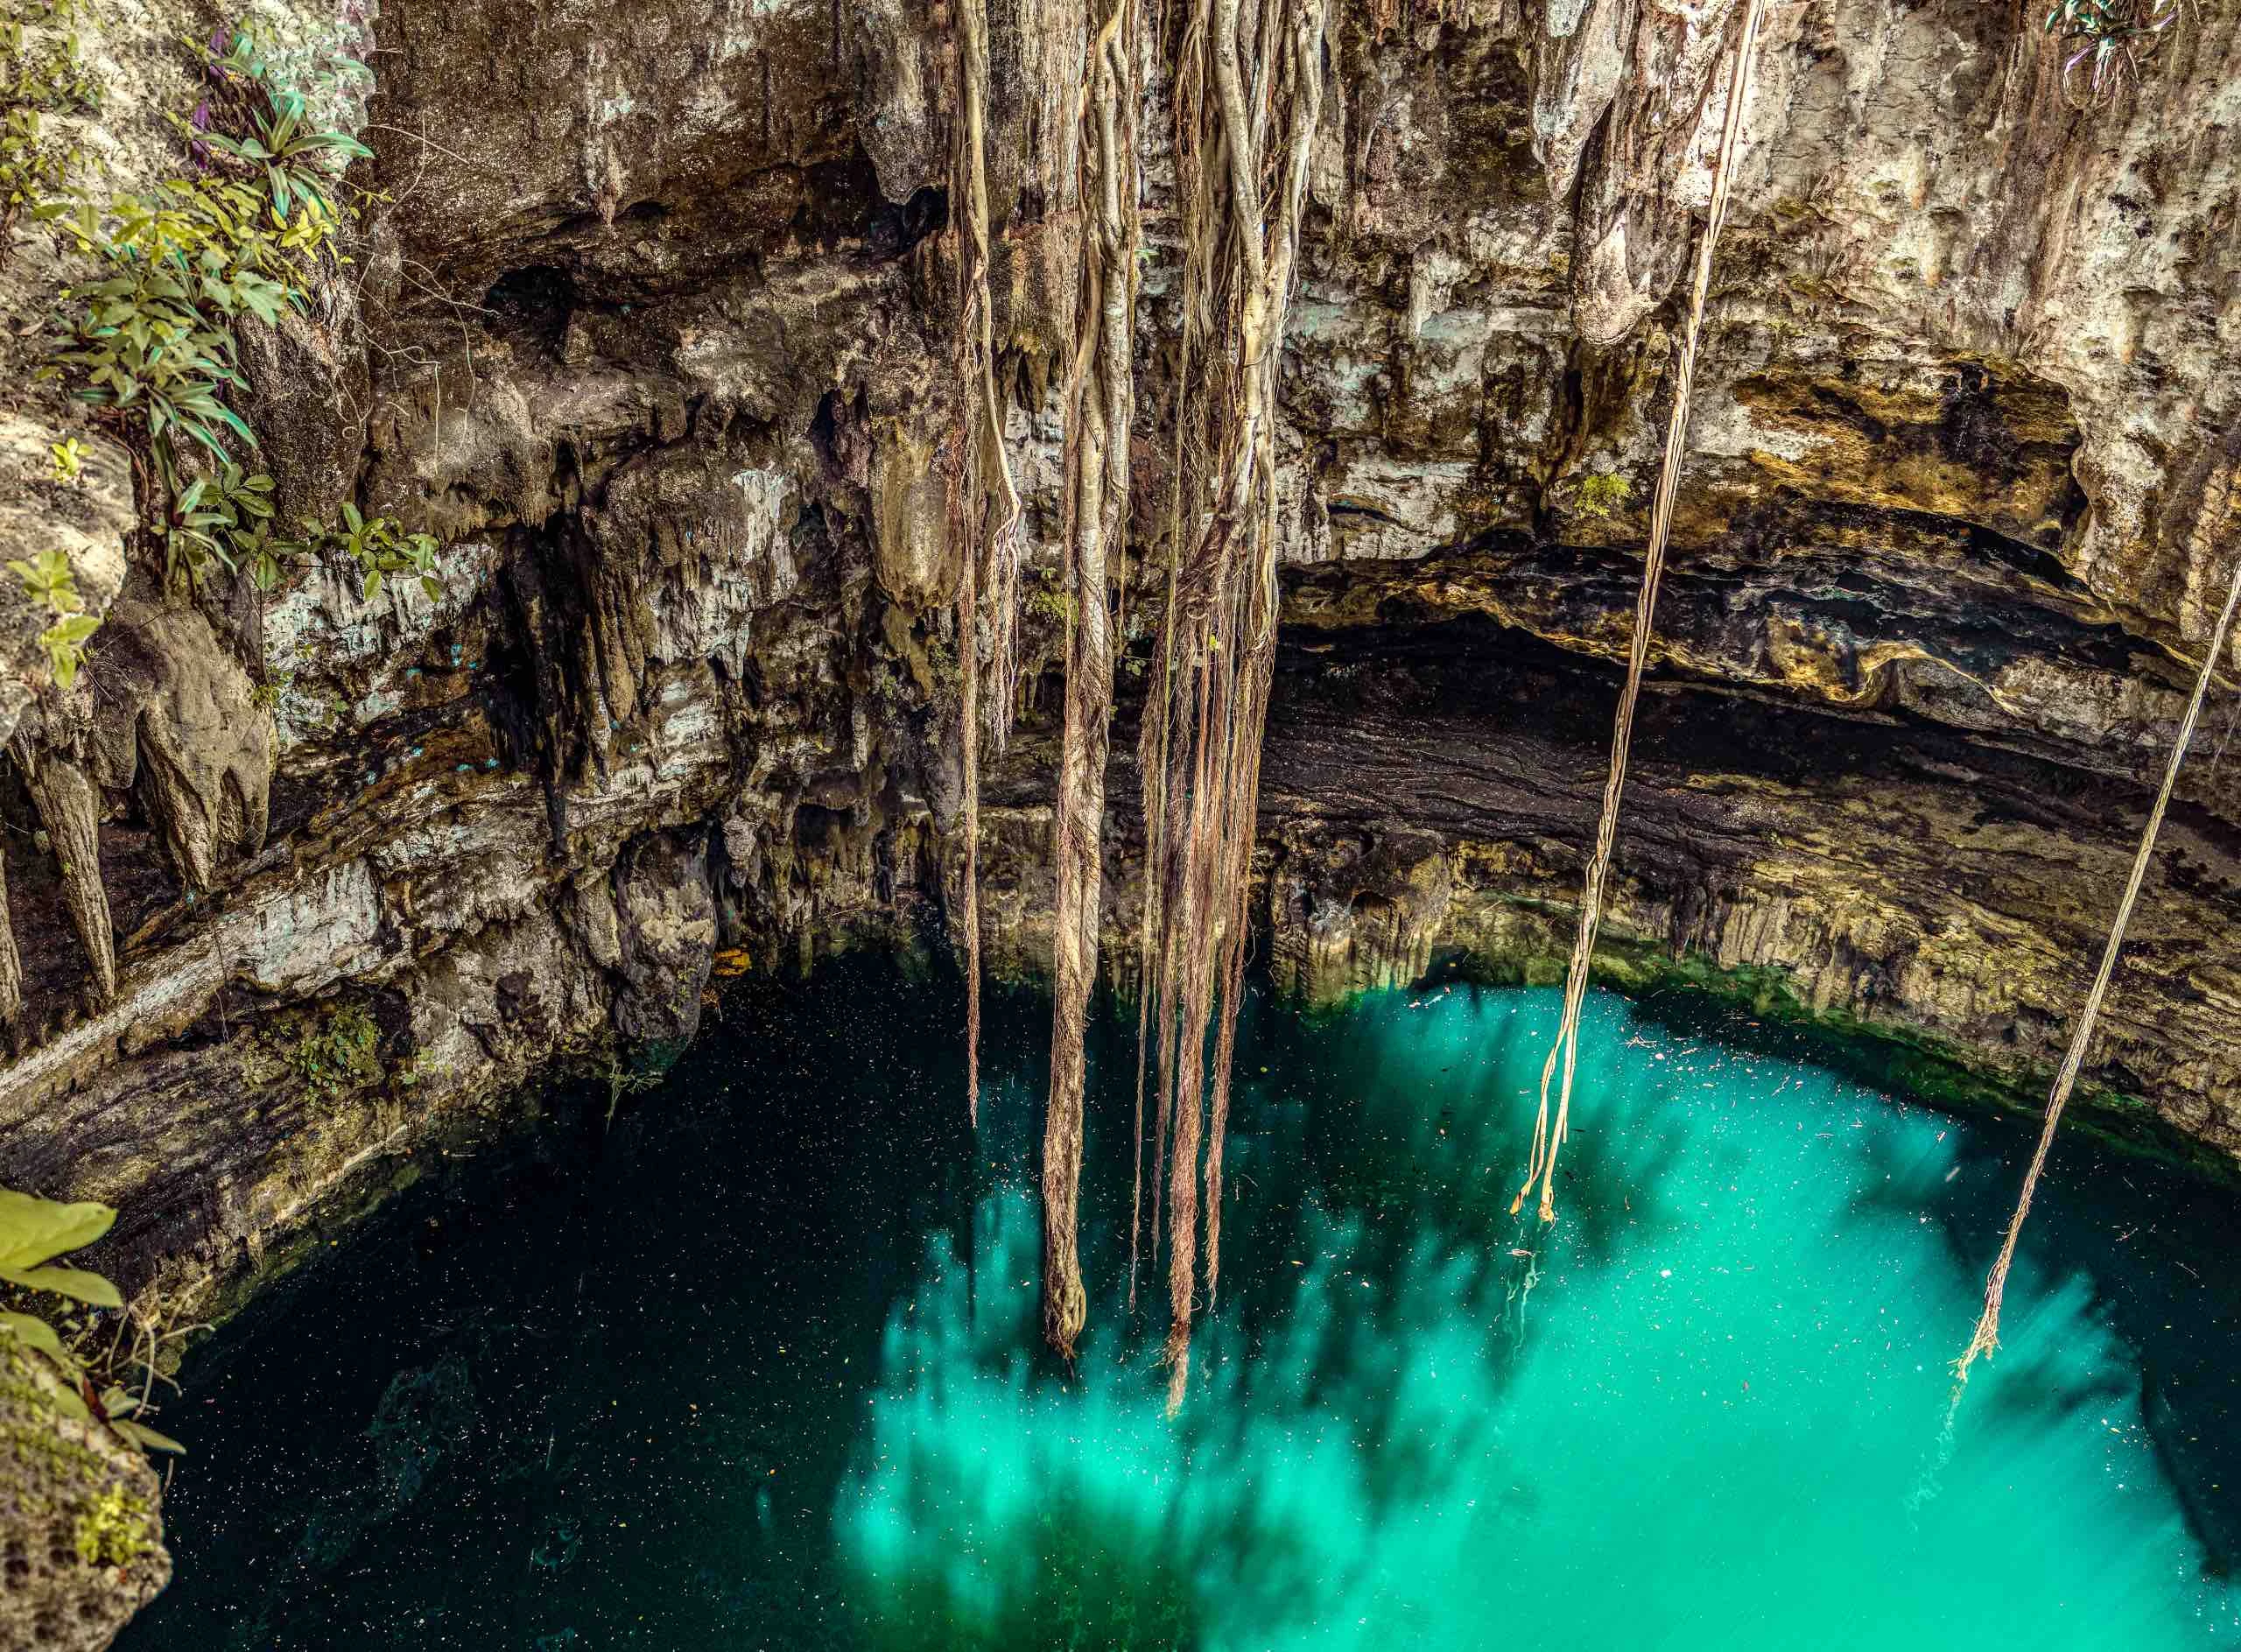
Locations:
(758, 1367)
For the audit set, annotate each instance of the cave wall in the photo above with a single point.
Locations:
(650, 327)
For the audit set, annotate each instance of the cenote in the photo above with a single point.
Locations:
(757, 1364)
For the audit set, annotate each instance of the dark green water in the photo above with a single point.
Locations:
(755, 1368)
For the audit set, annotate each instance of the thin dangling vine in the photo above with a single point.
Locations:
(1547, 1134)
(1100, 409)
(1247, 102)
(985, 508)
(1986, 1338)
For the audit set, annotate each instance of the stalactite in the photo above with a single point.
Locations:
(1247, 100)
(1548, 1135)
(1100, 407)
(985, 517)
(69, 809)
(1986, 1339)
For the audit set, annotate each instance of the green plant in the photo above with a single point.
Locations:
(65, 641)
(115, 1531)
(291, 154)
(30, 167)
(1050, 599)
(69, 457)
(41, 73)
(381, 548)
(44, 65)
(150, 342)
(155, 337)
(336, 1053)
(33, 1231)
(224, 520)
(1603, 495)
(2114, 34)
(50, 581)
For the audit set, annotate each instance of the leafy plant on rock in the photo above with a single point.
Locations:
(221, 521)
(381, 548)
(150, 343)
(52, 583)
(1603, 495)
(289, 153)
(2111, 35)
(33, 1231)
(41, 73)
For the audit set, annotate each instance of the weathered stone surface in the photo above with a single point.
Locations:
(1433, 789)
(81, 1544)
(667, 916)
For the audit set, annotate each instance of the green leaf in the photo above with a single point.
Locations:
(29, 1328)
(373, 586)
(141, 1435)
(75, 1283)
(33, 1230)
(433, 586)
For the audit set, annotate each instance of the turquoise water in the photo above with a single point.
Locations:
(757, 1367)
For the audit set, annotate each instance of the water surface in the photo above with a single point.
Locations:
(754, 1366)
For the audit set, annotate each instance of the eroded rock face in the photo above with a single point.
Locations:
(1430, 790)
(655, 333)
(666, 919)
(81, 1518)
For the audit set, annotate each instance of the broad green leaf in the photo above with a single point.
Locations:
(66, 1282)
(33, 1230)
(36, 1331)
(141, 1434)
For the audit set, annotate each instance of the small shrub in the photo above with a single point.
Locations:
(380, 548)
(222, 521)
(33, 1231)
(337, 1052)
(150, 343)
(291, 155)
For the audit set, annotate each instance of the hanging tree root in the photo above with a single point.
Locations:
(985, 507)
(1247, 107)
(1100, 407)
(1547, 1134)
(1986, 1339)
